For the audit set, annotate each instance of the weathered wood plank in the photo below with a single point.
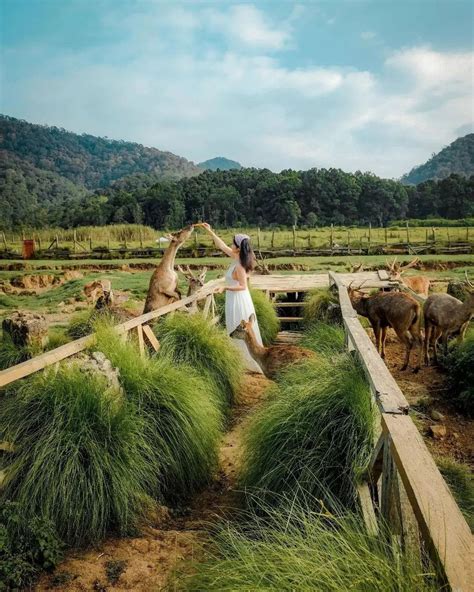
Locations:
(367, 508)
(151, 337)
(439, 518)
(141, 343)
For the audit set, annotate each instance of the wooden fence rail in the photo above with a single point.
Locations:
(404, 488)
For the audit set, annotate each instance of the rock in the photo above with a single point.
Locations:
(436, 415)
(26, 329)
(33, 282)
(438, 431)
(96, 362)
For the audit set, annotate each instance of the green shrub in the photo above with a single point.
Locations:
(314, 435)
(321, 305)
(296, 549)
(81, 324)
(11, 354)
(191, 339)
(79, 458)
(460, 368)
(27, 546)
(266, 316)
(324, 338)
(180, 415)
(461, 482)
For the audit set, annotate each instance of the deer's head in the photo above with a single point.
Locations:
(245, 329)
(194, 281)
(396, 269)
(178, 238)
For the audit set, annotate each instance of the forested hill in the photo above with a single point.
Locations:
(457, 158)
(86, 160)
(219, 163)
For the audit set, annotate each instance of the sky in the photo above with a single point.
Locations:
(359, 85)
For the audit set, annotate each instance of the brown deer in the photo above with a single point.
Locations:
(444, 317)
(100, 293)
(418, 283)
(391, 309)
(194, 282)
(274, 358)
(163, 288)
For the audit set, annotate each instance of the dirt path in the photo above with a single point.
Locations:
(426, 392)
(150, 558)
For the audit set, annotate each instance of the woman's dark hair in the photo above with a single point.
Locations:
(246, 255)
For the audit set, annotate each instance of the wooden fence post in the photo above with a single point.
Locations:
(141, 344)
(273, 239)
(294, 237)
(90, 242)
(331, 237)
(4, 241)
(258, 237)
(370, 238)
(386, 236)
(408, 236)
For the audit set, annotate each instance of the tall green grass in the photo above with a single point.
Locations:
(80, 455)
(181, 419)
(299, 550)
(324, 338)
(266, 315)
(321, 306)
(460, 479)
(192, 340)
(460, 369)
(313, 436)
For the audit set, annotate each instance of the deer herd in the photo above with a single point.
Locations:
(444, 316)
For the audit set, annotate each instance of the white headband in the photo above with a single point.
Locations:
(238, 238)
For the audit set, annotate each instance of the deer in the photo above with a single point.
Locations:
(391, 309)
(444, 317)
(417, 283)
(163, 288)
(100, 293)
(274, 358)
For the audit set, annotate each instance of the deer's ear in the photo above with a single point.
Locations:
(243, 324)
(252, 318)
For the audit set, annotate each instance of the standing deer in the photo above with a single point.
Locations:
(445, 316)
(391, 309)
(274, 358)
(418, 283)
(163, 288)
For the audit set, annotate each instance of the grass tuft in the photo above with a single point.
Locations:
(299, 549)
(313, 436)
(460, 368)
(180, 414)
(324, 338)
(461, 482)
(192, 340)
(78, 454)
(266, 316)
(321, 305)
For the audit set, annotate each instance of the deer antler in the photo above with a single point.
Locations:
(411, 264)
(468, 281)
(391, 264)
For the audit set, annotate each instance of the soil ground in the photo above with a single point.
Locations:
(152, 557)
(426, 391)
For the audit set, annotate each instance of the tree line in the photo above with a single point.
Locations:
(250, 197)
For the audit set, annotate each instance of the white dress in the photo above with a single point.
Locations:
(238, 306)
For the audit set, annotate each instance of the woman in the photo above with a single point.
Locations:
(238, 302)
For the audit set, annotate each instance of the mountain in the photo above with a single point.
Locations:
(88, 161)
(219, 163)
(458, 158)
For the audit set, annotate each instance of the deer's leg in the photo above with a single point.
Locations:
(446, 335)
(384, 337)
(462, 332)
(437, 335)
(407, 340)
(417, 339)
(376, 328)
(428, 332)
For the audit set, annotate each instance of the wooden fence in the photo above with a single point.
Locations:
(404, 489)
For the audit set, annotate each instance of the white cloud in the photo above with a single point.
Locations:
(247, 25)
(368, 35)
(162, 86)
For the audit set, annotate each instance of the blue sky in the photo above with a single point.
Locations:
(354, 84)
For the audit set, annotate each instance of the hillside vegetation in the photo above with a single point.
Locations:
(52, 177)
(457, 158)
(219, 163)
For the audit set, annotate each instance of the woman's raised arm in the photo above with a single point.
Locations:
(220, 244)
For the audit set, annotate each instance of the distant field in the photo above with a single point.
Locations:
(137, 236)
